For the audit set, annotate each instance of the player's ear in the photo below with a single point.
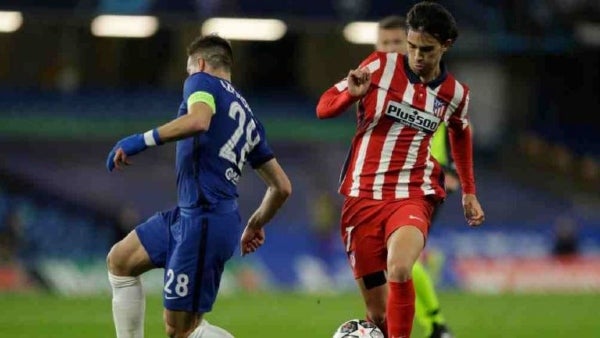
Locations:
(446, 45)
(201, 64)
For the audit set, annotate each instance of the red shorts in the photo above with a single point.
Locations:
(367, 224)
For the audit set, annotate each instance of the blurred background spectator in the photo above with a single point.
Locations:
(566, 240)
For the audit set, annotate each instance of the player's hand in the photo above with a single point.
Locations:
(119, 160)
(473, 211)
(451, 181)
(252, 239)
(129, 146)
(359, 81)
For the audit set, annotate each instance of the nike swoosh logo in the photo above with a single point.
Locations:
(171, 297)
(417, 218)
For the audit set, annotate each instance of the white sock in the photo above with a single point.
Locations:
(128, 306)
(206, 330)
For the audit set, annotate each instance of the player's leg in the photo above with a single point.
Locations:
(428, 311)
(126, 261)
(196, 326)
(427, 303)
(141, 250)
(432, 259)
(180, 324)
(404, 247)
(420, 313)
(374, 291)
(406, 231)
(202, 243)
(207, 330)
(363, 237)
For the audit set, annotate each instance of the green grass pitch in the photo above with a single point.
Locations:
(290, 315)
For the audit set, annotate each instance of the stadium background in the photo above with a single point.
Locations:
(67, 94)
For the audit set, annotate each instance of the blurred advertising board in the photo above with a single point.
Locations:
(542, 274)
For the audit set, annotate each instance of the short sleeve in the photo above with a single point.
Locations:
(261, 153)
(199, 88)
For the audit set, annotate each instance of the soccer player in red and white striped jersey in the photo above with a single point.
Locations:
(391, 182)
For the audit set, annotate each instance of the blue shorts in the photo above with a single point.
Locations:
(193, 248)
(154, 235)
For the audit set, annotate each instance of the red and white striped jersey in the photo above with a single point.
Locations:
(390, 154)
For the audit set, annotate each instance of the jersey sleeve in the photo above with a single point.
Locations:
(262, 152)
(461, 143)
(460, 118)
(198, 88)
(337, 99)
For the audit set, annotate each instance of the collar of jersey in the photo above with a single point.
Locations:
(414, 78)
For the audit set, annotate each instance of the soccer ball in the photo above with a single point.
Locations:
(357, 328)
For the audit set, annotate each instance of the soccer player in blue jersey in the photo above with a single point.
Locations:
(216, 134)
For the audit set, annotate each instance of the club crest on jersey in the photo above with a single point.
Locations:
(412, 117)
(439, 106)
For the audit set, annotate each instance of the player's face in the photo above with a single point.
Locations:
(424, 52)
(391, 40)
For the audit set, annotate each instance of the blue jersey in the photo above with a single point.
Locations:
(210, 164)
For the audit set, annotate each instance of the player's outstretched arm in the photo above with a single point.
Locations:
(335, 101)
(441, 152)
(340, 97)
(279, 189)
(195, 121)
(461, 144)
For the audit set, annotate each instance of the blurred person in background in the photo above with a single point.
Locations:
(217, 134)
(13, 276)
(566, 241)
(11, 237)
(324, 223)
(127, 218)
(16, 253)
(392, 185)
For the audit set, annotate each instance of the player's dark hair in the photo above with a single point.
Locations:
(392, 22)
(432, 18)
(215, 50)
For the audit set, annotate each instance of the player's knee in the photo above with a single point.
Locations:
(116, 262)
(399, 270)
